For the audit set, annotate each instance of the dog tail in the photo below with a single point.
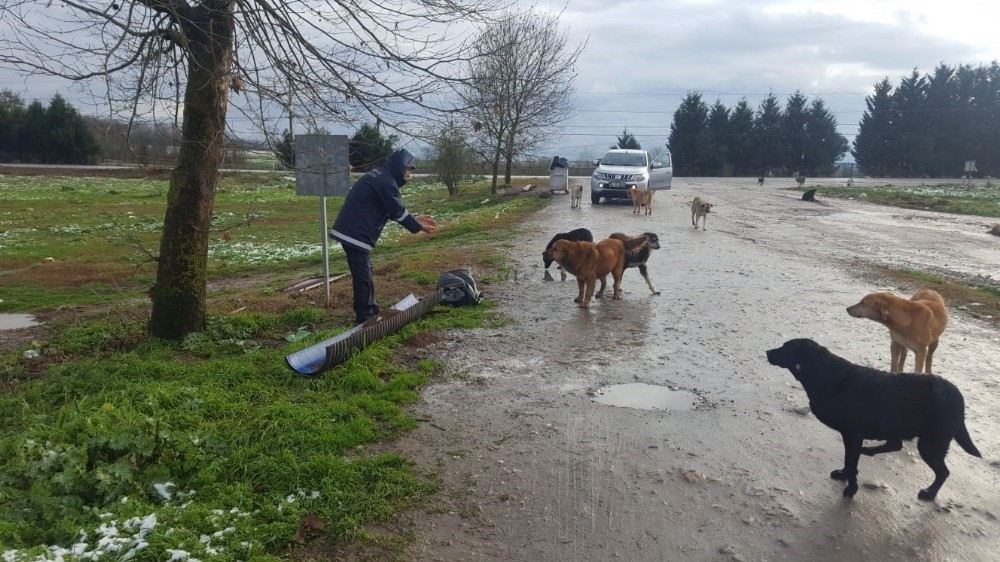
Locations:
(963, 439)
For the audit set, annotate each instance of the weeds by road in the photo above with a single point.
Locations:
(947, 198)
(112, 443)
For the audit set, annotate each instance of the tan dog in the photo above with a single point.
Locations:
(641, 198)
(915, 324)
(590, 262)
(575, 195)
(699, 210)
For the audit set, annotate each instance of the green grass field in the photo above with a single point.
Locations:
(115, 446)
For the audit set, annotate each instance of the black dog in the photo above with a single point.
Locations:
(637, 250)
(864, 403)
(578, 235)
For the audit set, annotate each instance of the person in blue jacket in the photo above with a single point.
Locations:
(372, 201)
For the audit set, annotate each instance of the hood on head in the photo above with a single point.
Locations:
(398, 162)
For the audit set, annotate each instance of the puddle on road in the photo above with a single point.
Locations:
(646, 397)
(16, 321)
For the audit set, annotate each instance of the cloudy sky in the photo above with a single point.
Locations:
(642, 57)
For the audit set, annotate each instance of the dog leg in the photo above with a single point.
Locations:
(932, 450)
(590, 292)
(902, 359)
(887, 447)
(894, 350)
(704, 223)
(562, 274)
(645, 275)
(852, 452)
(600, 292)
(920, 355)
(617, 278)
(581, 286)
(694, 221)
(930, 355)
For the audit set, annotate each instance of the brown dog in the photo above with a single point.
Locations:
(915, 324)
(641, 198)
(590, 262)
(699, 210)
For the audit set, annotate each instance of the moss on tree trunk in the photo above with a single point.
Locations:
(179, 294)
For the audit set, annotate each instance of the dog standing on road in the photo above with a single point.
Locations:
(864, 403)
(914, 324)
(575, 235)
(590, 262)
(699, 210)
(760, 181)
(641, 198)
(800, 180)
(637, 251)
(575, 195)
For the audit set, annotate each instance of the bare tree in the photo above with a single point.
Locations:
(394, 61)
(520, 85)
(452, 156)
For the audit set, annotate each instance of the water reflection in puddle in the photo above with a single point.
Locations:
(646, 397)
(16, 321)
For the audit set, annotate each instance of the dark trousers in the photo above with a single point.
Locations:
(359, 261)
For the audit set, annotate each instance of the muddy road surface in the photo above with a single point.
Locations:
(537, 462)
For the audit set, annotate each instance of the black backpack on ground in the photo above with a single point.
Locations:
(458, 288)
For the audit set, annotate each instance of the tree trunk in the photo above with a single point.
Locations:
(496, 169)
(180, 291)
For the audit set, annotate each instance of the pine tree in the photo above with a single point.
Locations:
(740, 140)
(11, 115)
(823, 145)
(688, 135)
(33, 135)
(913, 146)
(767, 137)
(876, 132)
(793, 133)
(367, 149)
(942, 122)
(717, 145)
(627, 140)
(70, 140)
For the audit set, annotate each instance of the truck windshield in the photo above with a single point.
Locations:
(624, 159)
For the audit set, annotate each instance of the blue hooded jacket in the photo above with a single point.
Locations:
(372, 201)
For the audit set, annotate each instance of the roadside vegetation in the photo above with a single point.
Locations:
(980, 301)
(956, 198)
(117, 446)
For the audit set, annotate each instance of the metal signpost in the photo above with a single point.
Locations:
(322, 168)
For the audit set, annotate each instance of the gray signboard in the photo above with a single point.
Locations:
(321, 165)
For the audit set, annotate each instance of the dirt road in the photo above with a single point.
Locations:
(533, 468)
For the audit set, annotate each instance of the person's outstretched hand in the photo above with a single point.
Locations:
(427, 223)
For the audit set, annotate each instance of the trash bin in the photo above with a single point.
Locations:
(559, 175)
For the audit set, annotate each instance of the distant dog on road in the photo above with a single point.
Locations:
(864, 403)
(699, 210)
(641, 198)
(915, 324)
(575, 235)
(575, 195)
(760, 181)
(801, 180)
(637, 251)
